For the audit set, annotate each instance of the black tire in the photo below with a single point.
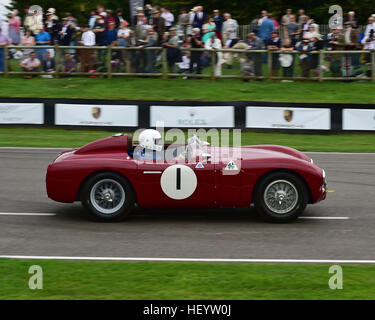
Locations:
(121, 188)
(296, 207)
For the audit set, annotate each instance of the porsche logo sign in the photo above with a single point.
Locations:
(96, 112)
(288, 115)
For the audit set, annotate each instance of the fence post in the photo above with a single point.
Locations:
(57, 61)
(6, 65)
(164, 62)
(269, 64)
(109, 65)
(373, 66)
(213, 62)
(321, 61)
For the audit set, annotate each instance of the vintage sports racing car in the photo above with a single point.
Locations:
(111, 175)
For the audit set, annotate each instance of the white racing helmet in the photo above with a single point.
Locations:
(150, 139)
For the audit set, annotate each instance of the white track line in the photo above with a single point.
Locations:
(31, 148)
(53, 214)
(327, 261)
(325, 218)
(344, 153)
(26, 214)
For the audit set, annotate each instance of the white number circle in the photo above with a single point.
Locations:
(178, 182)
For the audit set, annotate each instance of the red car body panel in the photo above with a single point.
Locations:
(214, 189)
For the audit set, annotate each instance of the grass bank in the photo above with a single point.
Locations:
(168, 280)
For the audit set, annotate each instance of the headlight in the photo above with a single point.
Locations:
(324, 177)
(312, 161)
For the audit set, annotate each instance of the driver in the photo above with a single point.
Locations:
(195, 148)
(150, 147)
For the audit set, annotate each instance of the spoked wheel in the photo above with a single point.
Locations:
(280, 197)
(107, 197)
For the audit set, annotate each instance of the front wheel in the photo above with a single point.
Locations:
(280, 197)
(107, 197)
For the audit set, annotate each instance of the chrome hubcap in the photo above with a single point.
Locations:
(107, 196)
(281, 196)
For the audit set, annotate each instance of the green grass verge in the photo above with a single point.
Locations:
(46, 137)
(179, 89)
(169, 280)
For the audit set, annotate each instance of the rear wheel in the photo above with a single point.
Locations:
(280, 197)
(107, 196)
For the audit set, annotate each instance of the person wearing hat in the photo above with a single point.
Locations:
(52, 24)
(52, 12)
(137, 18)
(304, 47)
(158, 23)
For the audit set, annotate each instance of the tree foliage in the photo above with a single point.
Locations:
(243, 10)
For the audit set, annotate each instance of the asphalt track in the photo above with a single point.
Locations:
(213, 234)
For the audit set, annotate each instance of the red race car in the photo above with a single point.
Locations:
(111, 175)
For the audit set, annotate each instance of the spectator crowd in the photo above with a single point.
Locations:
(155, 27)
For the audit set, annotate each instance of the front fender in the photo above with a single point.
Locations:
(287, 150)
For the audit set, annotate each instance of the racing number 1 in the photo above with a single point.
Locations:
(178, 179)
(178, 182)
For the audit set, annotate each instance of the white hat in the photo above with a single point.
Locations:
(51, 10)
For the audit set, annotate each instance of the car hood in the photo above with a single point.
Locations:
(257, 152)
